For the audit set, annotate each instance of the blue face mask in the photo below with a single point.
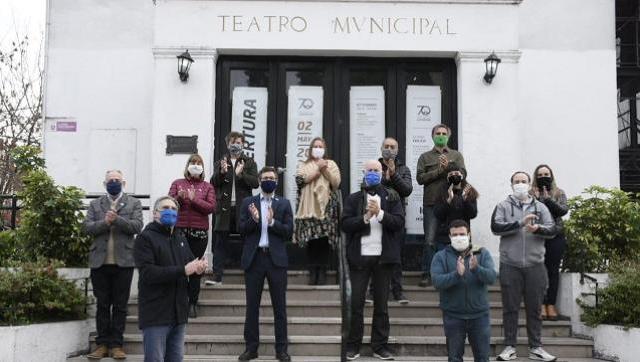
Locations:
(268, 186)
(114, 187)
(168, 217)
(372, 178)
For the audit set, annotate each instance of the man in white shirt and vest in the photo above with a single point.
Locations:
(373, 220)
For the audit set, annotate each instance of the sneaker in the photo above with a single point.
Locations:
(369, 298)
(383, 354)
(247, 356)
(507, 354)
(352, 355)
(540, 354)
(400, 298)
(216, 280)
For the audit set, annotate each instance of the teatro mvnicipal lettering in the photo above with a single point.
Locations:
(339, 25)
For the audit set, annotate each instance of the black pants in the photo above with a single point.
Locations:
(552, 258)
(318, 252)
(198, 246)
(380, 274)
(396, 276)
(221, 245)
(262, 267)
(111, 286)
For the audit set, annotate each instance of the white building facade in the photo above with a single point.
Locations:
(113, 95)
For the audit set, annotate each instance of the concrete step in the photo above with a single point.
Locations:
(330, 345)
(320, 308)
(306, 326)
(324, 292)
(301, 277)
(269, 358)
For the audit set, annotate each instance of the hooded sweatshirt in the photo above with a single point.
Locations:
(518, 247)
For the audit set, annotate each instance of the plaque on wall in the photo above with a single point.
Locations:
(182, 145)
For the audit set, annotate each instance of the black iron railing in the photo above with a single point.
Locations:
(14, 206)
(591, 279)
(345, 288)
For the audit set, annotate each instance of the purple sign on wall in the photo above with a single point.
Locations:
(66, 126)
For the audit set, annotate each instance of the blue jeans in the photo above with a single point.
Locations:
(479, 332)
(164, 343)
(429, 223)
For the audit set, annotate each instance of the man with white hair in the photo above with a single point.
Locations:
(373, 220)
(112, 220)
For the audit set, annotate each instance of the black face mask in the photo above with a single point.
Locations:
(454, 180)
(544, 181)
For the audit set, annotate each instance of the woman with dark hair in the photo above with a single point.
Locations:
(545, 190)
(456, 201)
(316, 220)
(197, 200)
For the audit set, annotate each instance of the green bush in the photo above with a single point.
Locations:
(34, 293)
(604, 225)
(51, 225)
(10, 248)
(619, 302)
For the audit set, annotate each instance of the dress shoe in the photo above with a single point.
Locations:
(283, 357)
(118, 353)
(100, 352)
(552, 313)
(543, 312)
(248, 356)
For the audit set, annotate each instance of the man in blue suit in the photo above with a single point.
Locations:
(266, 223)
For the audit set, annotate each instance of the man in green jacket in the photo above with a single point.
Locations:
(462, 272)
(432, 174)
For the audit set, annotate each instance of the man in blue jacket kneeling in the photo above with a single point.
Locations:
(462, 272)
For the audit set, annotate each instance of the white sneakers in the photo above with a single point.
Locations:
(540, 354)
(537, 353)
(507, 354)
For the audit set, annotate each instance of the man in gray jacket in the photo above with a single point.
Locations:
(112, 220)
(523, 224)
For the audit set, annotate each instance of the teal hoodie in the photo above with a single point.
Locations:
(466, 296)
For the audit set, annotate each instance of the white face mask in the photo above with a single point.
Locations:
(195, 170)
(317, 152)
(460, 242)
(521, 191)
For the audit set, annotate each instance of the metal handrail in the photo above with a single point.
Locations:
(584, 276)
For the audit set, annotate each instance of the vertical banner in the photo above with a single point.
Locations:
(366, 129)
(423, 112)
(249, 116)
(304, 123)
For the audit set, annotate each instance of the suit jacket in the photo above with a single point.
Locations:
(279, 232)
(126, 225)
(392, 225)
(245, 183)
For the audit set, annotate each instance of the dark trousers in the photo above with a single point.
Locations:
(360, 274)
(221, 244)
(318, 252)
(552, 258)
(430, 225)
(479, 332)
(262, 267)
(198, 246)
(530, 282)
(111, 286)
(396, 275)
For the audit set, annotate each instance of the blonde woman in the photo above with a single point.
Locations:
(316, 220)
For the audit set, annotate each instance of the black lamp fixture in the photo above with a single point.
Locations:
(184, 64)
(491, 65)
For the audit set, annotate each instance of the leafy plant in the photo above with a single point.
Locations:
(604, 226)
(35, 293)
(10, 248)
(619, 302)
(27, 158)
(51, 224)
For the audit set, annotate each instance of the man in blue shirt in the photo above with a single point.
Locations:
(266, 223)
(462, 272)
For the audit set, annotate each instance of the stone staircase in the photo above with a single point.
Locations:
(314, 325)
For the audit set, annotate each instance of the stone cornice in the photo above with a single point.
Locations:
(506, 56)
(195, 51)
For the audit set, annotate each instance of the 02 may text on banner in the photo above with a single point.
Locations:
(423, 112)
(249, 116)
(366, 128)
(304, 123)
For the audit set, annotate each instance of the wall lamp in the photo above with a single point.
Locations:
(184, 64)
(491, 65)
